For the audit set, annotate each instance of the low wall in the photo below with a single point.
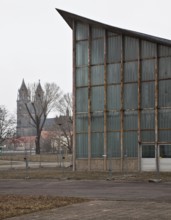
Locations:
(116, 165)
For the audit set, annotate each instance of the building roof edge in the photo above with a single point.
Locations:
(70, 17)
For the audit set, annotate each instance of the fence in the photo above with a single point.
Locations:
(28, 159)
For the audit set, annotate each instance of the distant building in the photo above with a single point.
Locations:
(26, 132)
(122, 98)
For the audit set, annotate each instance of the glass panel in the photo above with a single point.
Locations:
(113, 97)
(165, 151)
(148, 136)
(114, 49)
(131, 48)
(147, 95)
(81, 31)
(97, 121)
(97, 98)
(81, 145)
(113, 143)
(164, 51)
(131, 144)
(97, 75)
(165, 118)
(82, 100)
(97, 51)
(111, 33)
(130, 120)
(97, 32)
(165, 135)
(165, 93)
(130, 96)
(131, 72)
(82, 76)
(82, 53)
(81, 123)
(148, 49)
(165, 68)
(148, 151)
(147, 119)
(97, 143)
(113, 121)
(148, 70)
(113, 73)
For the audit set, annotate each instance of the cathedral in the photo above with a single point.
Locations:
(25, 126)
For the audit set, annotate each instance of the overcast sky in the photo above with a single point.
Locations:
(36, 43)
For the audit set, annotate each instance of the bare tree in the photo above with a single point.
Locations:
(65, 121)
(7, 125)
(43, 101)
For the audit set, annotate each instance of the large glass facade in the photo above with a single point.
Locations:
(123, 90)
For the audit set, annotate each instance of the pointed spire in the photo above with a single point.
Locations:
(23, 86)
(39, 87)
(39, 91)
(23, 92)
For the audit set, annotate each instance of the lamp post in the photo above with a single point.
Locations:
(60, 142)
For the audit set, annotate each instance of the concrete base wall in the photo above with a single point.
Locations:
(116, 165)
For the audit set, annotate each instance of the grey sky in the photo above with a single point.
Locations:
(36, 43)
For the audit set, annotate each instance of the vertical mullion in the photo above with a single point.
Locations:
(139, 103)
(89, 99)
(74, 93)
(105, 100)
(156, 109)
(122, 99)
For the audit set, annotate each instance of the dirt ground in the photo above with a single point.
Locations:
(110, 194)
(107, 199)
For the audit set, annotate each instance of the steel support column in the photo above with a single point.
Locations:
(74, 93)
(105, 101)
(122, 101)
(139, 104)
(89, 99)
(156, 110)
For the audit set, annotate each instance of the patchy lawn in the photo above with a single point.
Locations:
(67, 173)
(15, 205)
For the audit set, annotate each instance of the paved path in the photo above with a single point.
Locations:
(7, 164)
(110, 200)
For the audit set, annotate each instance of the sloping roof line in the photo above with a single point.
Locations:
(69, 18)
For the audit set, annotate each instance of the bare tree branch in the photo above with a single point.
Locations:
(7, 125)
(43, 101)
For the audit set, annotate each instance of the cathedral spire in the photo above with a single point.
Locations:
(23, 92)
(23, 86)
(39, 91)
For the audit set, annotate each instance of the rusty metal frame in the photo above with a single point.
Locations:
(105, 101)
(139, 104)
(89, 99)
(122, 101)
(156, 108)
(74, 93)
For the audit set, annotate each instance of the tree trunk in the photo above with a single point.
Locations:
(37, 142)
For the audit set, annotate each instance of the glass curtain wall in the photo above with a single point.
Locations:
(137, 89)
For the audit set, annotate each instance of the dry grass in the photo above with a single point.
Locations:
(36, 158)
(15, 205)
(67, 173)
(51, 173)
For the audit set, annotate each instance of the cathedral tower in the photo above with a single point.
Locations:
(24, 125)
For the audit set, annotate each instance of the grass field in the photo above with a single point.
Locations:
(15, 205)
